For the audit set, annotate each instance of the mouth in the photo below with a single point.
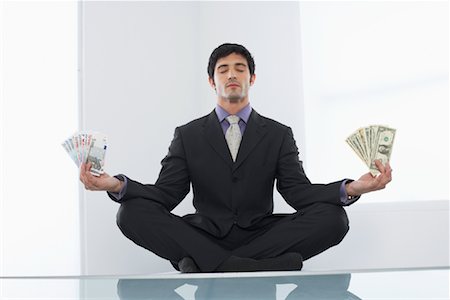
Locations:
(233, 85)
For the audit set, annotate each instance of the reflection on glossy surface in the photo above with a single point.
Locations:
(304, 287)
(431, 283)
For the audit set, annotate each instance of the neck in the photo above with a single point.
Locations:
(232, 107)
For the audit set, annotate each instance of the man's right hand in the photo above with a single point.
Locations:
(103, 182)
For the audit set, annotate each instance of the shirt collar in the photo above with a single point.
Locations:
(243, 114)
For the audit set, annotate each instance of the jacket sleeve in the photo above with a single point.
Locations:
(173, 183)
(293, 184)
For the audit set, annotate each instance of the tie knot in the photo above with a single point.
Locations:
(233, 119)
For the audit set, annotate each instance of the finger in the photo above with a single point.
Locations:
(82, 177)
(388, 169)
(388, 176)
(87, 167)
(385, 178)
(88, 179)
(388, 166)
(88, 173)
(380, 166)
(378, 183)
(82, 168)
(87, 183)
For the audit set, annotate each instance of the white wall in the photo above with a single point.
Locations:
(381, 63)
(39, 212)
(142, 57)
(144, 72)
(144, 67)
(378, 63)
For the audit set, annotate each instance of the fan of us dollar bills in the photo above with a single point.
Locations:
(85, 147)
(372, 143)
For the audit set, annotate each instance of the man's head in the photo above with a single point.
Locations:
(231, 71)
(225, 50)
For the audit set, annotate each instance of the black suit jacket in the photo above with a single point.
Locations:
(227, 192)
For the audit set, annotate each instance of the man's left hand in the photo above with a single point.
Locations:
(369, 183)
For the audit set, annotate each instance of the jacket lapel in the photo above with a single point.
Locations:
(254, 132)
(256, 129)
(215, 137)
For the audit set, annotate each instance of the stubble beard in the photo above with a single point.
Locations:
(235, 97)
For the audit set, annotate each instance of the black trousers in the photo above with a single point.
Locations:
(308, 232)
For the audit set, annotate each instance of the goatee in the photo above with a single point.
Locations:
(234, 98)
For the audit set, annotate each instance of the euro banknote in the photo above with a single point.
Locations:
(84, 147)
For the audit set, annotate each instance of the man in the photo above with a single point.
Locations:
(232, 158)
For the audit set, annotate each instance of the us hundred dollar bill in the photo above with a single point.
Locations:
(96, 154)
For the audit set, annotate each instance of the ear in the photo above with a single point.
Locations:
(211, 82)
(252, 79)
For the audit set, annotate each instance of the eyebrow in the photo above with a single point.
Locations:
(236, 64)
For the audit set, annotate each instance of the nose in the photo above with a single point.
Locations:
(231, 74)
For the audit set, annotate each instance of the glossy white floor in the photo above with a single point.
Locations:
(369, 284)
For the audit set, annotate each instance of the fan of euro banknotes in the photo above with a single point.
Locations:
(85, 147)
(372, 143)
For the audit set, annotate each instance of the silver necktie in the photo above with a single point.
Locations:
(233, 135)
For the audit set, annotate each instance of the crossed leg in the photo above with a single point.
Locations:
(308, 232)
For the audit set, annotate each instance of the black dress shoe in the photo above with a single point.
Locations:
(188, 265)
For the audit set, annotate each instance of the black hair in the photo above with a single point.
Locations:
(225, 50)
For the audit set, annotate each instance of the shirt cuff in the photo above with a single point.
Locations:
(346, 199)
(122, 192)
